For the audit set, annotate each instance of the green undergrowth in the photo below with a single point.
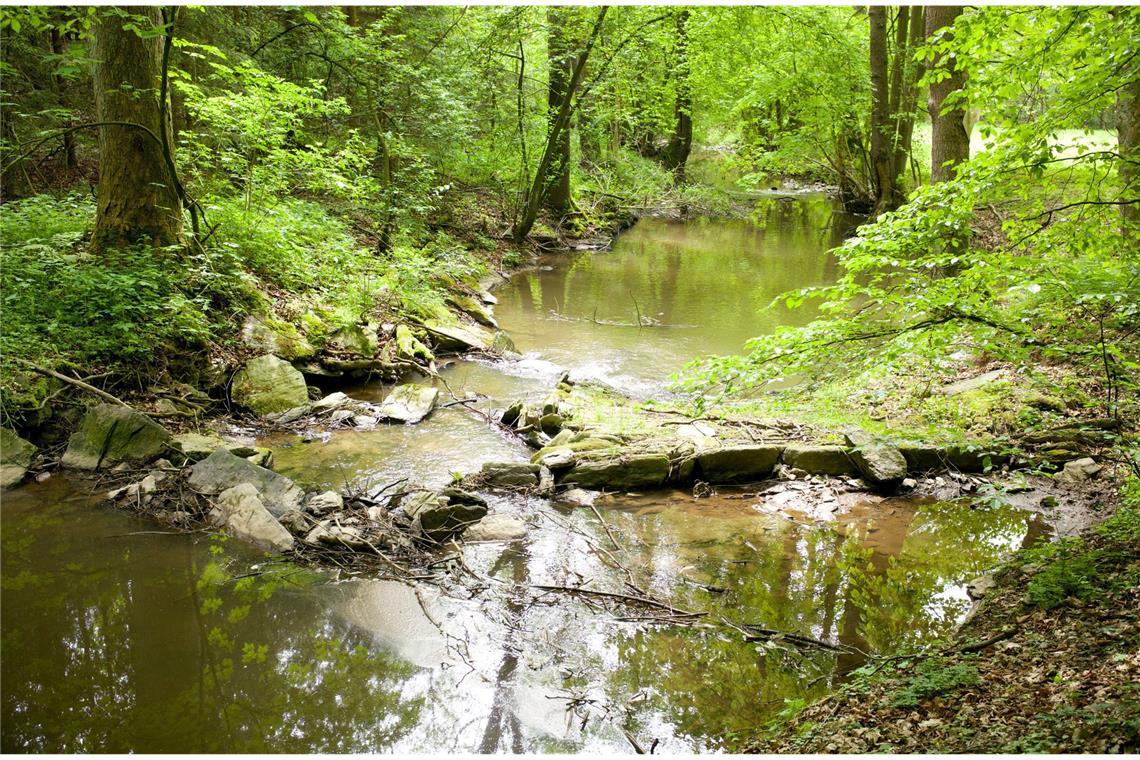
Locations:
(133, 314)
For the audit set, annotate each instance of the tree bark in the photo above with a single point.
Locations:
(560, 123)
(909, 101)
(676, 154)
(58, 49)
(137, 195)
(561, 59)
(882, 175)
(949, 140)
(1128, 145)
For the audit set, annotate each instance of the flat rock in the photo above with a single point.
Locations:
(409, 403)
(511, 474)
(269, 385)
(648, 470)
(460, 337)
(881, 465)
(973, 383)
(331, 403)
(222, 470)
(555, 457)
(436, 516)
(738, 463)
(361, 340)
(15, 458)
(496, 528)
(245, 515)
(110, 434)
(578, 497)
(819, 460)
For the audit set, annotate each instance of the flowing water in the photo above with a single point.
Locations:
(119, 637)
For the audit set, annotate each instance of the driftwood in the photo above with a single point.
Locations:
(620, 597)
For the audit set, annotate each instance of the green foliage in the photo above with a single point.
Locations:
(933, 678)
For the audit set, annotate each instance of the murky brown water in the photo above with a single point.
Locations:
(118, 637)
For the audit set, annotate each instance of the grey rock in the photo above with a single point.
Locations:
(460, 496)
(973, 383)
(409, 403)
(496, 528)
(511, 474)
(512, 414)
(290, 415)
(436, 516)
(361, 340)
(551, 423)
(643, 470)
(460, 338)
(245, 515)
(578, 497)
(881, 465)
(545, 482)
(194, 447)
(1079, 470)
(15, 458)
(819, 460)
(269, 385)
(332, 403)
(322, 503)
(738, 463)
(348, 536)
(110, 434)
(222, 470)
(555, 457)
(296, 522)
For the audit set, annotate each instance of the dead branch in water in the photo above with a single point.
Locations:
(620, 597)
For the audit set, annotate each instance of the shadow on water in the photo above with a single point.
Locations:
(120, 637)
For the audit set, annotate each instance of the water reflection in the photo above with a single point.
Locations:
(704, 284)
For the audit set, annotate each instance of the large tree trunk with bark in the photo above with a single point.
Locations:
(676, 154)
(882, 172)
(561, 58)
(560, 124)
(137, 195)
(909, 36)
(949, 140)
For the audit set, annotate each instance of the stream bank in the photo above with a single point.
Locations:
(672, 614)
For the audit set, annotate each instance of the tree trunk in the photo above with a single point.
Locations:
(560, 123)
(909, 99)
(949, 140)
(1128, 145)
(58, 49)
(137, 196)
(676, 154)
(882, 175)
(561, 69)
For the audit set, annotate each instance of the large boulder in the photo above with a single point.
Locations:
(15, 458)
(110, 434)
(409, 403)
(921, 457)
(819, 460)
(734, 464)
(242, 511)
(268, 385)
(648, 470)
(222, 470)
(880, 464)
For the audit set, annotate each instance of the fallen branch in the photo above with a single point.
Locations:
(621, 597)
(71, 380)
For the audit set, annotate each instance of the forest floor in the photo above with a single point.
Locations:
(1048, 662)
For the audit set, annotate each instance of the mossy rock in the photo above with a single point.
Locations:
(648, 470)
(276, 336)
(269, 385)
(473, 308)
(819, 460)
(410, 347)
(15, 458)
(110, 434)
(734, 464)
(361, 340)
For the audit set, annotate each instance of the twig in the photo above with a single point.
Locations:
(607, 527)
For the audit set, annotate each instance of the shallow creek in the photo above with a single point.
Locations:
(119, 637)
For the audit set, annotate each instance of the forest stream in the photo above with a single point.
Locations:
(133, 638)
